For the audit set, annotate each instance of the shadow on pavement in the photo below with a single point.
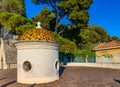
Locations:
(8, 83)
(117, 80)
(61, 70)
(32, 85)
(3, 78)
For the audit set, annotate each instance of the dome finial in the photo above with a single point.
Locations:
(38, 25)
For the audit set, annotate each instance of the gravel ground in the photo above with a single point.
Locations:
(71, 77)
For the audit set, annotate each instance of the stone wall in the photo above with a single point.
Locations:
(8, 54)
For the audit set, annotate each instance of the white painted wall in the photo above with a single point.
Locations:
(42, 56)
(100, 65)
(3, 64)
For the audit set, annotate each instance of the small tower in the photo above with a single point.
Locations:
(37, 57)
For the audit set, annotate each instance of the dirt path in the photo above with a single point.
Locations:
(71, 77)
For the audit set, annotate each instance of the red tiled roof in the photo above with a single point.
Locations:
(109, 45)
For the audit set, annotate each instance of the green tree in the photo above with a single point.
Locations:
(15, 23)
(66, 44)
(86, 53)
(14, 6)
(58, 11)
(75, 10)
(78, 15)
(115, 38)
(94, 34)
(47, 19)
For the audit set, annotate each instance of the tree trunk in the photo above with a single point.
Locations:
(86, 59)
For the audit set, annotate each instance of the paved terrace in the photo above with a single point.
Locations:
(71, 77)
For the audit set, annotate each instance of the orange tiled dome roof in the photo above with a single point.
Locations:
(37, 34)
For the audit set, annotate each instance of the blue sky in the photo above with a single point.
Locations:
(104, 13)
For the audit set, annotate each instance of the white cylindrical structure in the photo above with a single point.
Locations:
(37, 62)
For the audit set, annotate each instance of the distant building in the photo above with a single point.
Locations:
(5, 34)
(8, 52)
(108, 52)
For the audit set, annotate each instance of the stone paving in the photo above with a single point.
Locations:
(70, 77)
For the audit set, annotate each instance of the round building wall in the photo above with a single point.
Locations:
(37, 62)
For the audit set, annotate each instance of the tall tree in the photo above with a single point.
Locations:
(47, 19)
(58, 11)
(14, 6)
(78, 15)
(15, 23)
(75, 10)
(94, 34)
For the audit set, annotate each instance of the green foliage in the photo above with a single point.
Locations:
(78, 15)
(77, 11)
(80, 55)
(94, 34)
(22, 28)
(115, 38)
(66, 45)
(75, 4)
(58, 11)
(15, 23)
(13, 6)
(106, 55)
(85, 53)
(47, 19)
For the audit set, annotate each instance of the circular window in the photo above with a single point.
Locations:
(57, 65)
(27, 66)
